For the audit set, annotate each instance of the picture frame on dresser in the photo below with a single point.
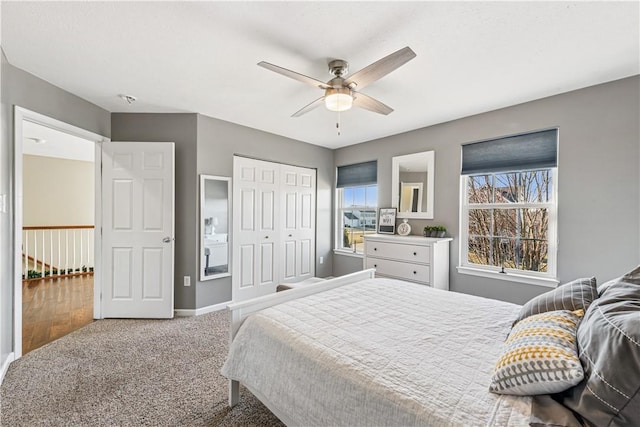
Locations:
(387, 220)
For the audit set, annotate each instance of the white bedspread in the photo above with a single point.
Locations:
(379, 352)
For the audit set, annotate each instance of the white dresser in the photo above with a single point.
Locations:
(417, 259)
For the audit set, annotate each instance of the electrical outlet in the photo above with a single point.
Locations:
(187, 280)
(321, 260)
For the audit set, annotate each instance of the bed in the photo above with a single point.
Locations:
(358, 350)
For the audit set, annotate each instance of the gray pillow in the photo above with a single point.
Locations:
(632, 276)
(575, 295)
(609, 348)
(546, 412)
(604, 286)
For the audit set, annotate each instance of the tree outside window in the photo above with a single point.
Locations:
(509, 220)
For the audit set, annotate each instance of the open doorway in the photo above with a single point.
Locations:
(57, 210)
(58, 187)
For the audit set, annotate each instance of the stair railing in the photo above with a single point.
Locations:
(57, 250)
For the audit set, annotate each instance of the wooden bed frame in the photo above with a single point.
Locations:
(240, 310)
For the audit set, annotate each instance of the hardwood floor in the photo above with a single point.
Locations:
(53, 308)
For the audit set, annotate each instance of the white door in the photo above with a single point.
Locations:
(255, 222)
(297, 198)
(138, 228)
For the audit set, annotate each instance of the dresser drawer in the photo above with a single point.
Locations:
(400, 269)
(412, 253)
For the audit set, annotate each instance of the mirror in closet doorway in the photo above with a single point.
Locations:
(215, 194)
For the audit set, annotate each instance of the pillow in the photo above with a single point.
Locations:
(605, 286)
(539, 355)
(609, 345)
(631, 276)
(576, 295)
(547, 412)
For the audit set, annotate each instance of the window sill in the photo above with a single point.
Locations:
(348, 253)
(512, 277)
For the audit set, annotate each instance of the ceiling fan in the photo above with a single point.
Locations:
(340, 92)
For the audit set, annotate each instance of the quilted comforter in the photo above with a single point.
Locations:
(379, 352)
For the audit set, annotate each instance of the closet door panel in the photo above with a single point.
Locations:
(306, 258)
(245, 263)
(267, 263)
(248, 211)
(298, 187)
(289, 178)
(256, 221)
(268, 173)
(289, 270)
(268, 211)
(290, 209)
(306, 212)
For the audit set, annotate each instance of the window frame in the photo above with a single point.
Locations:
(339, 215)
(548, 278)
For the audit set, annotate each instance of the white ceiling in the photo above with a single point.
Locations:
(43, 141)
(201, 57)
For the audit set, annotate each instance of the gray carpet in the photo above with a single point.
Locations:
(130, 373)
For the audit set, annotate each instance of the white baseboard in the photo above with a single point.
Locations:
(5, 366)
(203, 310)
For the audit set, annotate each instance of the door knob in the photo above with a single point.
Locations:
(167, 239)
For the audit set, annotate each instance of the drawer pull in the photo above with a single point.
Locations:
(415, 253)
(415, 272)
(375, 265)
(375, 249)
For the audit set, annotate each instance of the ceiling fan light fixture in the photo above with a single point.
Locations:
(340, 92)
(338, 99)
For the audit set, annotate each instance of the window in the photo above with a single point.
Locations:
(508, 208)
(357, 203)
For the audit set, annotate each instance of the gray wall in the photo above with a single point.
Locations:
(598, 180)
(218, 141)
(25, 90)
(182, 130)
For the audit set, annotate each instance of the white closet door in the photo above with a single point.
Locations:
(255, 224)
(297, 201)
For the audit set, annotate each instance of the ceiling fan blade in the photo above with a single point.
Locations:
(292, 74)
(315, 104)
(368, 103)
(380, 68)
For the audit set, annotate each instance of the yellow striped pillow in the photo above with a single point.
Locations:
(540, 355)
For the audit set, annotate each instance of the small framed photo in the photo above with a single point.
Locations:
(387, 220)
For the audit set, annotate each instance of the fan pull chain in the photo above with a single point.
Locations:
(338, 123)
